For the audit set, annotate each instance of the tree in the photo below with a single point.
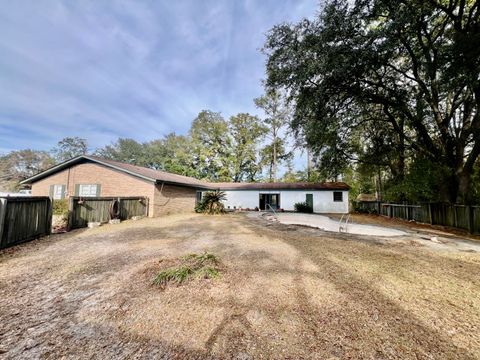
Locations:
(277, 117)
(69, 147)
(273, 154)
(246, 132)
(408, 67)
(173, 153)
(211, 146)
(125, 150)
(20, 165)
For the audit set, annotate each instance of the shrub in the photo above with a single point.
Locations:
(203, 266)
(211, 203)
(303, 207)
(60, 207)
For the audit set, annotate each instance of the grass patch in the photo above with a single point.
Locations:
(201, 266)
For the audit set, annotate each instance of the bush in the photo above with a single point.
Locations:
(211, 203)
(60, 207)
(303, 207)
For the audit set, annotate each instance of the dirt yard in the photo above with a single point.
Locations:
(285, 292)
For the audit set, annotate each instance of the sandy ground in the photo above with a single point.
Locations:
(286, 292)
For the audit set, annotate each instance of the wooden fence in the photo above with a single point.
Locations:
(460, 216)
(83, 210)
(23, 219)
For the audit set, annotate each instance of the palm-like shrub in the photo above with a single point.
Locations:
(212, 203)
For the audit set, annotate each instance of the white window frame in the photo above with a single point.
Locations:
(87, 190)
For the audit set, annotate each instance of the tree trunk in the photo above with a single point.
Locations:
(463, 195)
(274, 167)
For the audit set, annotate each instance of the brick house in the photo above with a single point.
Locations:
(94, 176)
(170, 193)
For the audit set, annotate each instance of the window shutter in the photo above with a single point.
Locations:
(77, 189)
(63, 192)
(99, 190)
(51, 190)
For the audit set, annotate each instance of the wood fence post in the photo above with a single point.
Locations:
(70, 213)
(390, 211)
(49, 216)
(455, 216)
(430, 217)
(470, 220)
(3, 213)
(379, 208)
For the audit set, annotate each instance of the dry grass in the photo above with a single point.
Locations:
(289, 294)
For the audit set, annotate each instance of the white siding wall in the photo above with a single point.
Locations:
(322, 199)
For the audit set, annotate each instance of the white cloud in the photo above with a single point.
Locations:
(104, 70)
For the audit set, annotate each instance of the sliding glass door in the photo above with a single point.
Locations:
(269, 200)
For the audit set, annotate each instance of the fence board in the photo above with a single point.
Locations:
(97, 209)
(24, 219)
(452, 215)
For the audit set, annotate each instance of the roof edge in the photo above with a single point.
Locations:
(67, 163)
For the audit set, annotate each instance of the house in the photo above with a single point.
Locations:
(92, 176)
(329, 197)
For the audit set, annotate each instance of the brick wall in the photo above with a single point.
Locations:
(113, 183)
(173, 199)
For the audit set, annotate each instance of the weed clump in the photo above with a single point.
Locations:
(201, 266)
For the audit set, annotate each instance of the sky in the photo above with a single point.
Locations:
(102, 70)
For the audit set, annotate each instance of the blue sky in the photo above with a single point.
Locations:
(140, 69)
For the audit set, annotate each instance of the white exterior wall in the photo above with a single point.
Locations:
(322, 199)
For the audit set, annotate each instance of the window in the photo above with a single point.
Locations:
(338, 196)
(199, 196)
(58, 192)
(87, 190)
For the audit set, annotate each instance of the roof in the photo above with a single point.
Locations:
(137, 171)
(157, 176)
(281, 186)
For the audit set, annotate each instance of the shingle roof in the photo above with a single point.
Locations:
(157, 175)
(138, 171)
(163, 176)
(281, 186)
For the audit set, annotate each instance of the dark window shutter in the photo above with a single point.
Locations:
(99, 190)
(51, 190)
(77, 189)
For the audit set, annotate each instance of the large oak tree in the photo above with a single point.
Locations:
(407, 68)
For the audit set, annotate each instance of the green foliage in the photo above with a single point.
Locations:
(125, 150)
(422, 183)
(380, 82)
(246, 132)
(211, 146)
(177, 275)
(214, 149)
(303, 207)
(211, 203)
(60, 207)
(19, 165)
(278, 114)
(69, 147)
(203, 266)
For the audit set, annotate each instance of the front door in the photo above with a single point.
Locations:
(268, 201)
